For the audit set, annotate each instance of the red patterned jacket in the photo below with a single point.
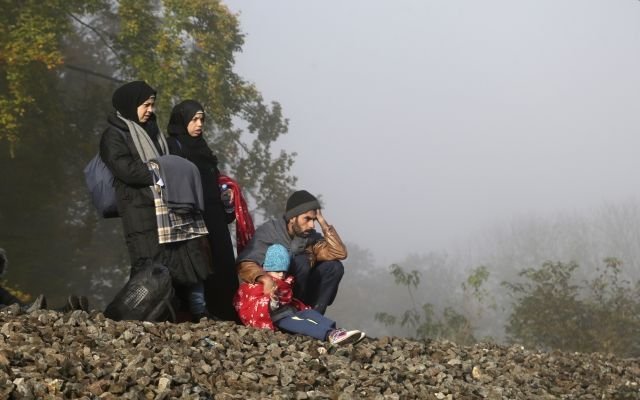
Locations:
(252, 304)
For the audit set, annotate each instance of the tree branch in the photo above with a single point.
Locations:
(242, 145)
(90, 72)
(104, 40)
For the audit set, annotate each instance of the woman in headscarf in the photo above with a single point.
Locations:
(186, 140)
(131, 139)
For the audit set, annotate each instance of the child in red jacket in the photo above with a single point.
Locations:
(280, 309)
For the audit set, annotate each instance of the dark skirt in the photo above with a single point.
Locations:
(188, 261)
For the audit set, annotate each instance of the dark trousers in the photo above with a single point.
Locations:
(307, 322)
(316, 286)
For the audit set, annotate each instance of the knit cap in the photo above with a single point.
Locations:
(299, 203)
(277, 259)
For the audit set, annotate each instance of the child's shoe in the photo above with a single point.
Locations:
(340, 336)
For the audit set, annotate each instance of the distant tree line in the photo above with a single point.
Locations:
(477, 288)
(550, 310)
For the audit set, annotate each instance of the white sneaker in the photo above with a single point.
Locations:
(340, 336)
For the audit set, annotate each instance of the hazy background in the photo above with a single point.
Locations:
(441, 135)
(422, 123)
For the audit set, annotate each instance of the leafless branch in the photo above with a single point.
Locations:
(104, 40)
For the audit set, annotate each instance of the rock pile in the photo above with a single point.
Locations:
(46, 354)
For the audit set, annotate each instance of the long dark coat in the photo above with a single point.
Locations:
(221, 286)
(133, 193)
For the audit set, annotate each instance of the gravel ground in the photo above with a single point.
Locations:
(46, 354)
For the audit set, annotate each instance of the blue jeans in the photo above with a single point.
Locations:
(197, 304)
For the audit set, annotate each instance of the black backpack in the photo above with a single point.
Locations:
(147, 296)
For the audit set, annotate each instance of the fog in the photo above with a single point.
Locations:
(422, 123)
(441, 136)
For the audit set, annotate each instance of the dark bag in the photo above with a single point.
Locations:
(282, 312)
(147, 296)
(99, 181)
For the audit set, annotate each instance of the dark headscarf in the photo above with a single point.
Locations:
(194, 149)
(181, 115)
(128, 97)
(126, 100)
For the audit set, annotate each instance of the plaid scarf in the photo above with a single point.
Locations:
(174, 226)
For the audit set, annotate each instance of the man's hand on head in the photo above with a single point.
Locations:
(323, 222)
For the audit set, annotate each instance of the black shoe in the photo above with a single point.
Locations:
(84, 303)
(206, 315)
(197, 317)
(73, 303)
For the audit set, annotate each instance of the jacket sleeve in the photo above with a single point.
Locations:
(330, 247)
(126, 167)
(249, 271)
(249, 261)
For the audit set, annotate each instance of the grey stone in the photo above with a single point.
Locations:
(86, 356)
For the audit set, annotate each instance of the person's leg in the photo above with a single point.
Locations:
(322, 285)
(306, 326)
(322, 321)
(197, 304)
(300, 268)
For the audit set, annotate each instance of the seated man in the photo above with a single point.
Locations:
(283, 311)
(315, 258)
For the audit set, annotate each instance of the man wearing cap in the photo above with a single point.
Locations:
(315, 257)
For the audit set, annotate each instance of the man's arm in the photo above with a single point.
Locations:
(248, 268)
(251, 272)
(330, 247)
(249, 259)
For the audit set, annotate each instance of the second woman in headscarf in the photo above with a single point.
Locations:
(186, 140)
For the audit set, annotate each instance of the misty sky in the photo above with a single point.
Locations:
(421, 122)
